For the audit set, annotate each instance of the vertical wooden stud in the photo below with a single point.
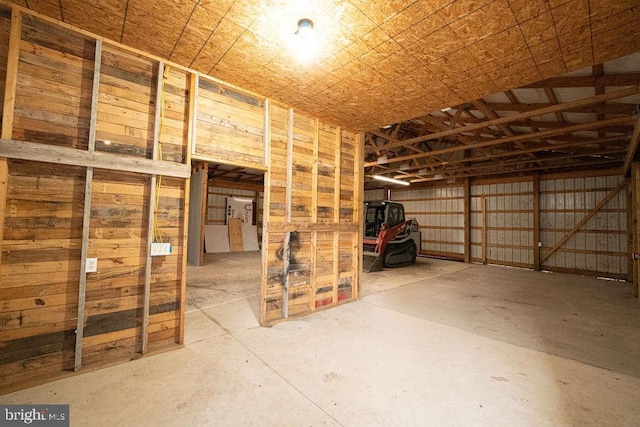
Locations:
(336, 212)
(266, 132)
(287, 213)
(9, 101)
(152, 210)
(483, 201)
(313, 273)
(147, 271)
(266, 212)
(191, 137)
(86, 220)
(467, 220)
(194, 86)
(203, 213)
(358, 203)
(536, 223)
(635, 211)
(630, 224)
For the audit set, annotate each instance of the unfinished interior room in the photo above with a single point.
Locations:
(298, 212)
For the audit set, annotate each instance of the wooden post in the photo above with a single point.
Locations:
(194, 85)
(536, 222)
(313, 273)
(86, 220)
(631, 224)
(635, 211)
(287, 214)
(191, 137)
(266, 137)
(203, 213)
(266, 212)
(153, 183)
(358, 203)
(9, 102)
(467, 220)
(147, 271)
(336, 213)
(484, 229)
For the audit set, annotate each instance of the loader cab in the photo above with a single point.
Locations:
(378, 213)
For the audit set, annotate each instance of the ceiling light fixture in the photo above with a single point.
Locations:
(392, 180)
(306, 41)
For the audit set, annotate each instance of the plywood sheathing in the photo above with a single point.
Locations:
(379, 62)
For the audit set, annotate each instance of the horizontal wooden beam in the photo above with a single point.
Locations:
(283, 227)
(618, 80)
(498, 141)
(223, 183)
(537, 112)
(578, 142)
(38, 152)
(603, 163)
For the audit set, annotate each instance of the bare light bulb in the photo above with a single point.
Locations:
(306, 41)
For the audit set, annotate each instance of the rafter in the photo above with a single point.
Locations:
(499, 141)
(536, 112)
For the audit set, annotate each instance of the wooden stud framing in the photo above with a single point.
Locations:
(88, 193)
(147, 270)
(358, 203)
(583, 221)
(467, 220)
(536, 222)
(635, 214)
(86, 222)
(483, 202)
(631, 220)
(203, 213)
(336, 212)
(194, 85)
(13, 59)
(314, 215)
(287, 214)
(267, 131)
(152, 210)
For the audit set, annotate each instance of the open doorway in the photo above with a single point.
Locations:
(224, 269)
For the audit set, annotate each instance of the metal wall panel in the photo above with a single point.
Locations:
(600, 245)
(503, 232)
(440, 213)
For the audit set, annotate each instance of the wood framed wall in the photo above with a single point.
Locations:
(95, 159)
(312, 208)
(580, 221)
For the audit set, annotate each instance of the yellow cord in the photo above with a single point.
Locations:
(157, 235)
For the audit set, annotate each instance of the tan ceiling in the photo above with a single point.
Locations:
(380, 61)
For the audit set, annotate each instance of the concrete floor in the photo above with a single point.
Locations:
(438, 343)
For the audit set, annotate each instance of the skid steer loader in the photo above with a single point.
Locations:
(389, 239)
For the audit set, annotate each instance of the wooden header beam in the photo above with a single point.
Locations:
(37, 152)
